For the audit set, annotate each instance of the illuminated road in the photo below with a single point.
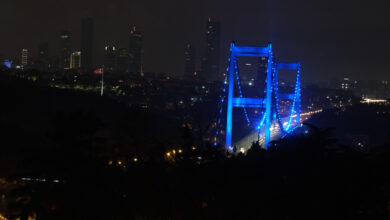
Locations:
(245, 143)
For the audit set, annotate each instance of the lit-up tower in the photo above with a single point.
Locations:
(66, 48)
(272, 93)
(24, 57)
(346, 84)
(87, 37)
(76, 60)
(210, 60)
(189, 54)
(43, 57)
(109, 58)
(135, 51)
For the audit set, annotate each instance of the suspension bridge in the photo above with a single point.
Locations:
(270, 123)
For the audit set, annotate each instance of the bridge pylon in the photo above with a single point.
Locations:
(271, 91)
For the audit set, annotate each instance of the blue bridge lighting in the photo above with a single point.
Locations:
(270, 111)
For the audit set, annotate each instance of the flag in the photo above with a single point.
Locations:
(98, 71)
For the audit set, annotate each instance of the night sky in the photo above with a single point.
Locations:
(330, 38)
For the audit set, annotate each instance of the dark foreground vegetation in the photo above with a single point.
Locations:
(81, 163)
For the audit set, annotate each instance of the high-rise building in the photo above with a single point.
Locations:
(262, 66)
(66, 48)
(135, 51)
(43, 57)
(189, 54)
(123, 60)
(210, 60)
(87, 36)
(109, 58)
(259, 78)
(54, 63)
(348, 84)
(24, 57)
(75, 60)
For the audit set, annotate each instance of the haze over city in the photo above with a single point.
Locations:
(351, 35)
(194, 109)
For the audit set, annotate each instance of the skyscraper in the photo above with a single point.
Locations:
(54, 63)
(75, 60)
(262, 66)
(135, 51)
(346, 83)
(66, 48)
(210, 60)
(123, 60)
(24, 57)
(43, 57)
(109, 58)
(189, 54)
(87, 32)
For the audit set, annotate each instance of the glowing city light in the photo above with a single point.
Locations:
(7, 63)
(368, 101)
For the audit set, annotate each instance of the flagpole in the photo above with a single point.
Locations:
(101, 90)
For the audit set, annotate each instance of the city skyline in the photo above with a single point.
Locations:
(308, 31)
(175, 109)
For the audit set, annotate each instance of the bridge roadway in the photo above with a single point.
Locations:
(245, 143)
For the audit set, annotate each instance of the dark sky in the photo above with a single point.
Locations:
(330, 38)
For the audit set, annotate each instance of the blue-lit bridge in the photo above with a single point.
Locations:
(258, 135)
(264, 128)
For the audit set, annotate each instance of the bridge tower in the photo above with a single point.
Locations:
(236, 51)
(271, 92)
